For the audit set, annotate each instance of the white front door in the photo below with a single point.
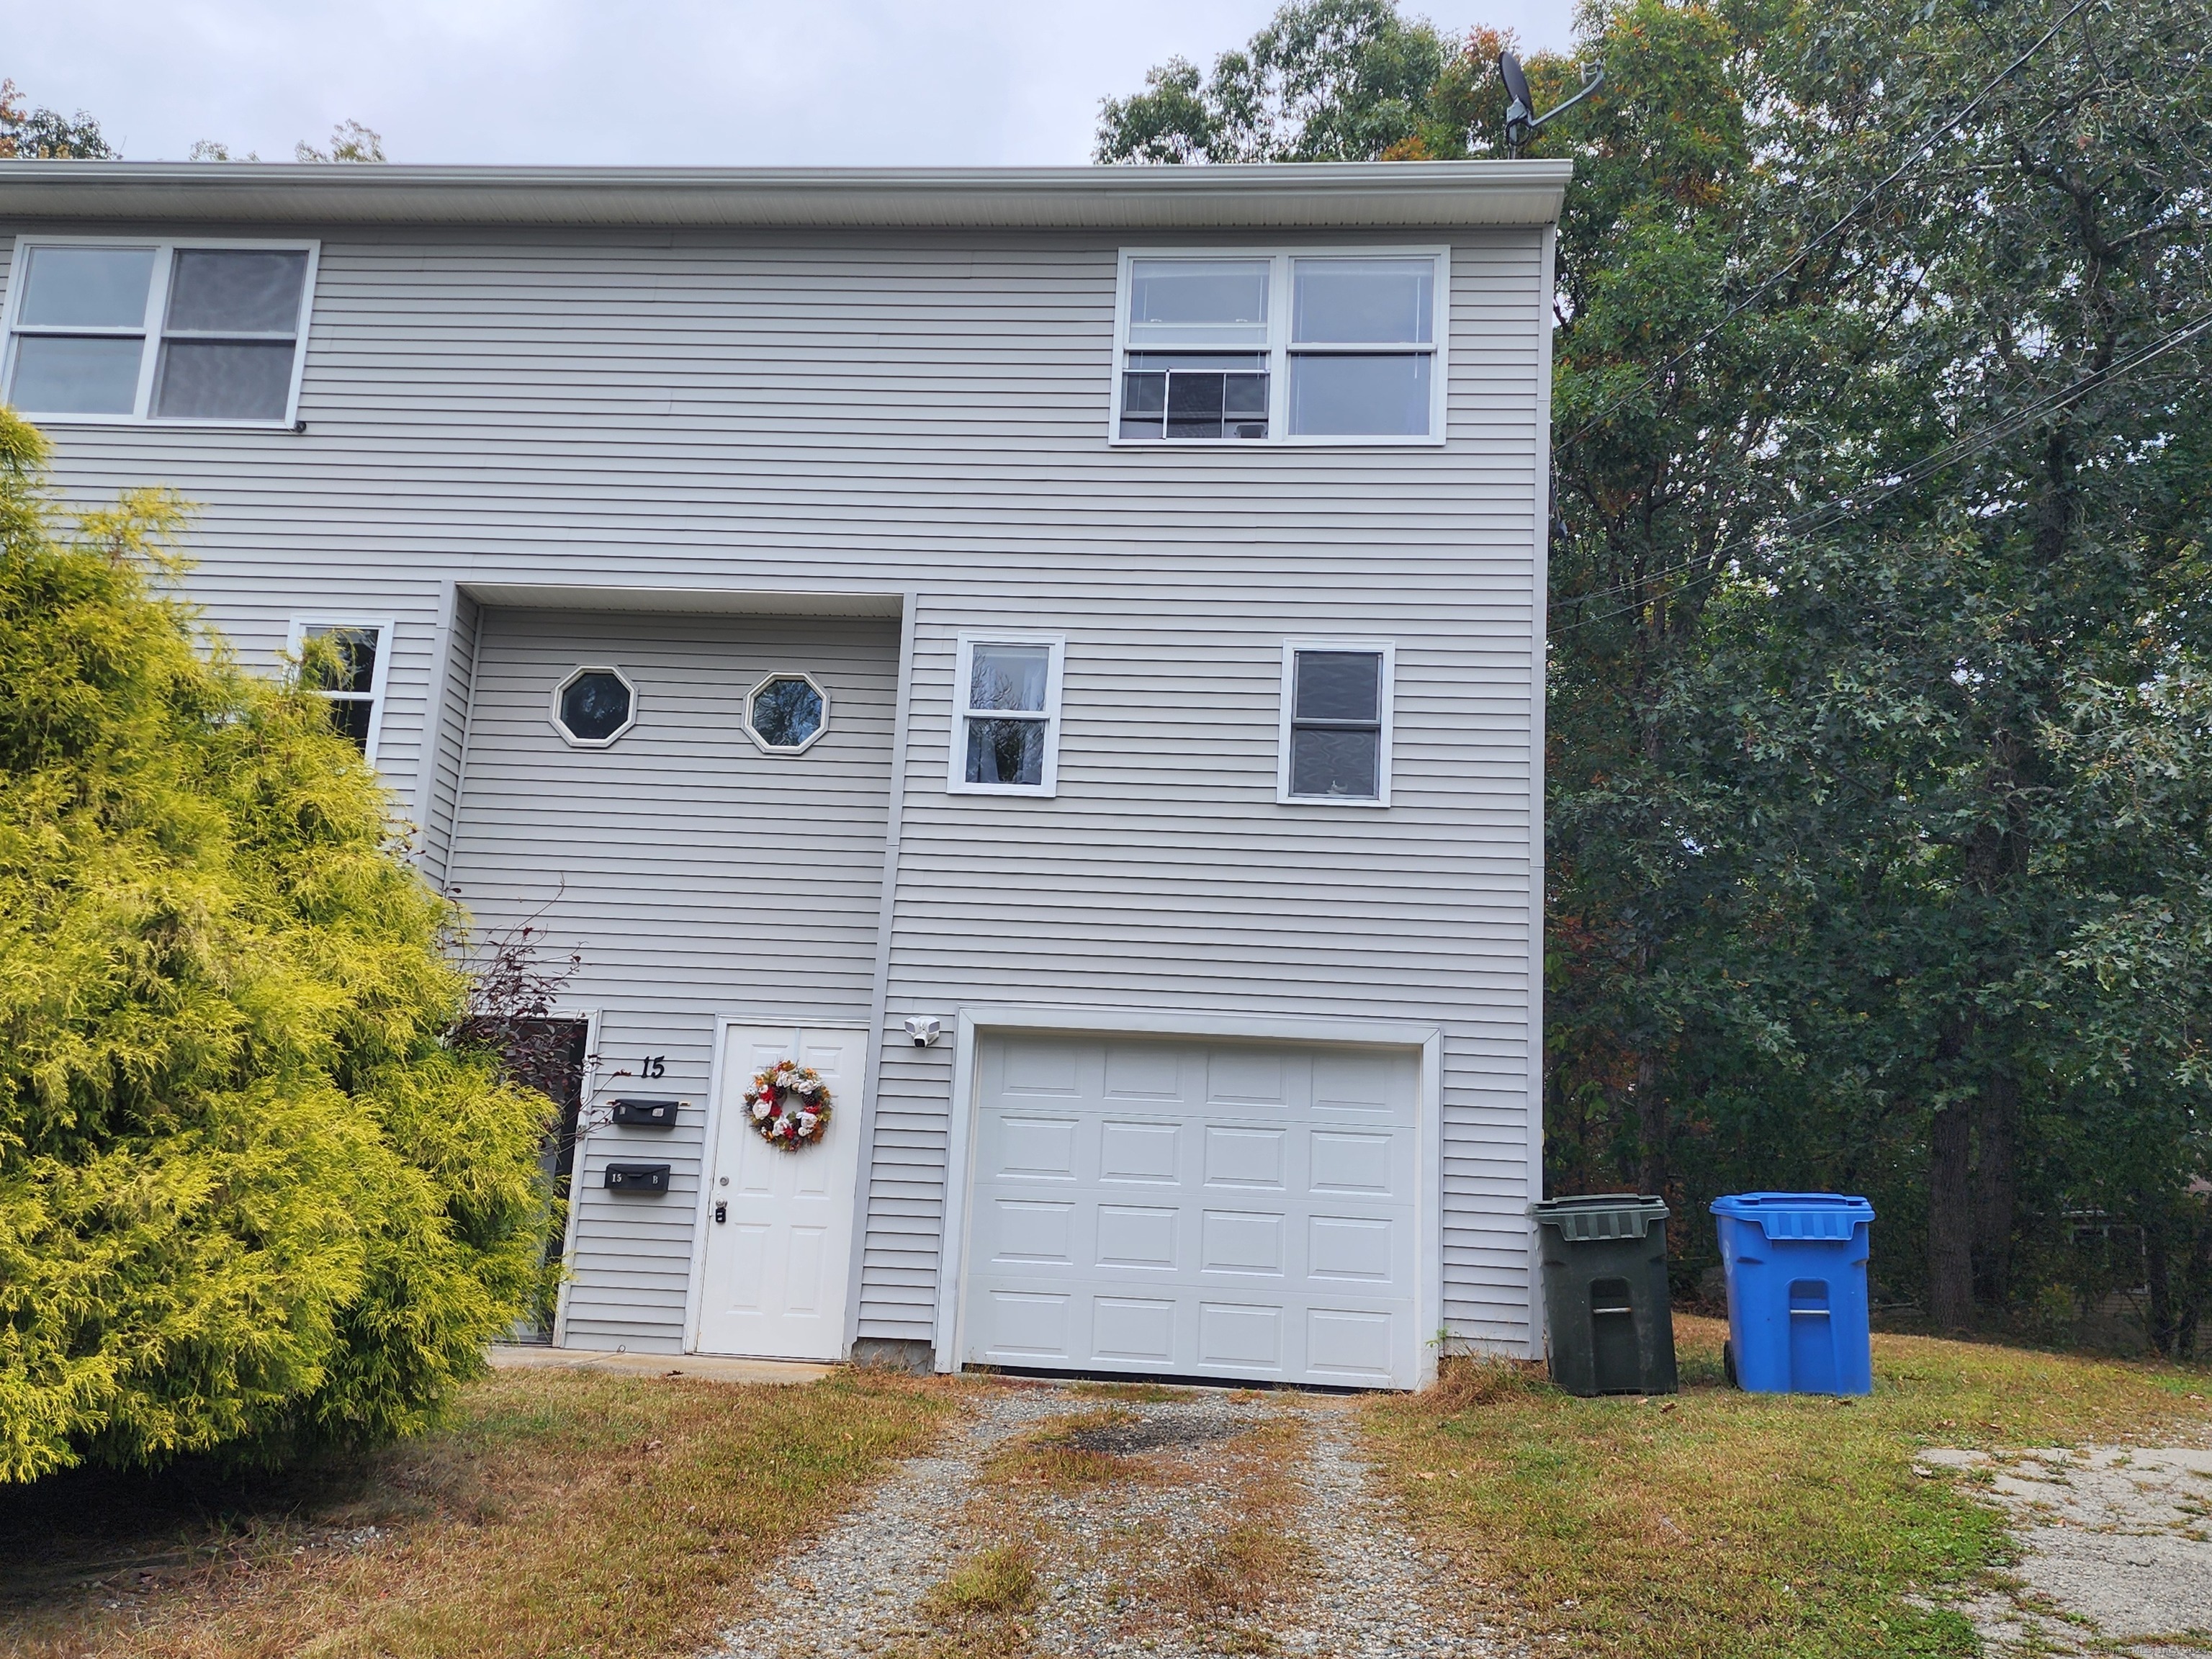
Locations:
(780, 1222)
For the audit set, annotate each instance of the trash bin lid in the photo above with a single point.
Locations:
(1797, 1215)
(1600, 1215)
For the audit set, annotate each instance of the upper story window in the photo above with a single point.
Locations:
(206, 332)
(1336, 722)
(1005, 725)
(349, 674)
(1334, 348)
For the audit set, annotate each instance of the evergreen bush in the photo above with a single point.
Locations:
(250, 1197)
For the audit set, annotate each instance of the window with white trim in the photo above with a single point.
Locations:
(1341, 347)
(1005, 725)
(191, 332)
(349, 674)
(1336, 722)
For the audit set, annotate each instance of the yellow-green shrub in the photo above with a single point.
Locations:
(248, 1197)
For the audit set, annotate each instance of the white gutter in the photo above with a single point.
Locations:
(1410, 194)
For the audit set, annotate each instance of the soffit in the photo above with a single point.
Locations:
(680, 601)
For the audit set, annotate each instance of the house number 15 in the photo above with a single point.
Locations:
(655, 1066)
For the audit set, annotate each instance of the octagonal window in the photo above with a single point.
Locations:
(593, 707)
(787, 711)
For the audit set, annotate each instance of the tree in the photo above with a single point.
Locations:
(349, 142)
(1326, 81)
(1685, 419)
(249, 1195)
(1982, 537)
(46, 135)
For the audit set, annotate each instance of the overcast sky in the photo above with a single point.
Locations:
(730, 82)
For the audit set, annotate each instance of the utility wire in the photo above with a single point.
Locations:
(1958, 448)
(1856, 208)
(1815, 519)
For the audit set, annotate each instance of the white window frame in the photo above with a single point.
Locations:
(1387, 651)
(786, 751)
(1277, 350)
(295, 637)
(630, 722)
(150, 330)
(956, 770)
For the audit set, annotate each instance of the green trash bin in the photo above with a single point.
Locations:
(1605, 1293)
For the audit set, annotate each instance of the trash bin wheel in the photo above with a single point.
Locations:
(1728, 1363)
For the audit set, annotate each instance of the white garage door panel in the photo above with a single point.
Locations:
(1205, 1209)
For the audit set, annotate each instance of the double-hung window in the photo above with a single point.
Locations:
(205, 332)
(1005, 725)
(1341, 347)
(1336, 723)
(348, 672)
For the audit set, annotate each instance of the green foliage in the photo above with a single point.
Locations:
(46, 135)
(248, 1197)
(349, 142)
(1877, 817)
(1326, 81)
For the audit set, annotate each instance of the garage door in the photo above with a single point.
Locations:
(1199, 1210)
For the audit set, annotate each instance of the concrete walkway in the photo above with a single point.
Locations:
(2116, 1546)
(519, 1357)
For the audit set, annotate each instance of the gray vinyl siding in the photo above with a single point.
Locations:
(926, 412)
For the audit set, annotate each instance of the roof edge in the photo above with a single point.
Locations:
(1287, 196)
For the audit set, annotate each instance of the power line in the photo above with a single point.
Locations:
(1814, 519)
(1961, 448)
(1856, 208)
(1810, 518)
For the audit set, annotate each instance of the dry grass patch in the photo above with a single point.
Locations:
(1046, 1457)
(1071, 1454)
(1141, 1394)
(1242, 1570)
(559, 1513)
(977, 1608)
(1466, 1381)
(1234, 1577)
(992, 1583)
(1720, 1524)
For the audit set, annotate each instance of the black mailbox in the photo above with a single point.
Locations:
(647, 1114)
(637, 1177)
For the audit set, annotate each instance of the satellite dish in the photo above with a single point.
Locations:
(1516, 83)
(1521, 116)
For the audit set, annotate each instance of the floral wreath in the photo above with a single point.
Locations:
(789, 1104)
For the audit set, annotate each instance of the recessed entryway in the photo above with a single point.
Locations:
(778, 1220)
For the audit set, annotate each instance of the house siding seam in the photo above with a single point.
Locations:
(442, 769)
(877, 411)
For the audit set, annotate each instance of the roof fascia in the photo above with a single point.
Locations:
(1352, 195)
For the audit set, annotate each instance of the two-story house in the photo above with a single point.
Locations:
(1059, 652)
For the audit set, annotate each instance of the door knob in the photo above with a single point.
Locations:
(721, 1214)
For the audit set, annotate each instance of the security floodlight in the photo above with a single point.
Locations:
(1521, 116)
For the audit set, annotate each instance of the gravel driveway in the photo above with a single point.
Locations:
(1128, 1554)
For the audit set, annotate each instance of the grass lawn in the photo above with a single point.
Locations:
(559, 1513)
(1726, 1523)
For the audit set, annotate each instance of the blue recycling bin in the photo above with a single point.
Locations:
(1797, 1266)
